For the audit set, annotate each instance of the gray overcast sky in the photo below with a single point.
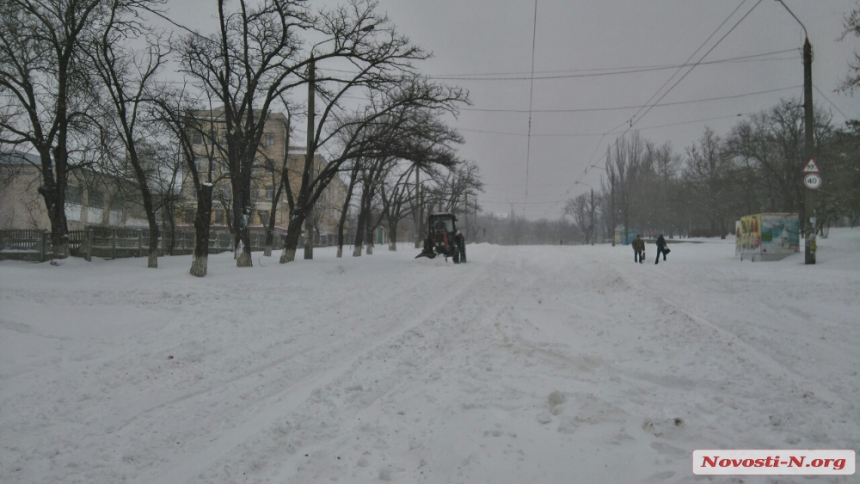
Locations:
(493, 38)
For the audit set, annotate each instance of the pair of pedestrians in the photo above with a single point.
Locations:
(639, 249)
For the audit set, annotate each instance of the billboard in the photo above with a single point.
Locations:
(767, 236)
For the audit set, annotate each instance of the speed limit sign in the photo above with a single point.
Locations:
(812, 181)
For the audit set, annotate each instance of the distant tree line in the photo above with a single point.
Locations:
(755, 168)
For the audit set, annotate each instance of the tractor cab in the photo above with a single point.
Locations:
(444, 239)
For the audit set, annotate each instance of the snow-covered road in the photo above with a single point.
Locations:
(528, 364)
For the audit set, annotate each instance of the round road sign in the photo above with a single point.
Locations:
(812, 181)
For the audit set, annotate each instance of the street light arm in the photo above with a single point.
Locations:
(795, 18)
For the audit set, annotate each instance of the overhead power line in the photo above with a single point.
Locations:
(531, 98)
(613, 71)
(694, 65)
(621, 108)
(636, 117)
(573, 135)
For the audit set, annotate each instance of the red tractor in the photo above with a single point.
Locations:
(444, 239)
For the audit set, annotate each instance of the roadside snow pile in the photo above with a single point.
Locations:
(528, 364)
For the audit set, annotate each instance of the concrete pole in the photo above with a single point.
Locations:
(612, 205)
(808, 142)
(593, 232)
(309, 161)
(808, 211)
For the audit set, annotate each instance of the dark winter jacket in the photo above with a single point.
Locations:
(638, 245)
(661, 243)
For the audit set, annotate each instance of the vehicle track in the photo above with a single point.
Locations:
(284, 401)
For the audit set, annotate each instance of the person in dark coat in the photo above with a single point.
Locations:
(661, 248)
(638, 249)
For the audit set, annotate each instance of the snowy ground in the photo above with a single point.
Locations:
(528, 364)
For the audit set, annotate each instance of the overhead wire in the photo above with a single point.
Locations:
(621, 108)
(613, 71)
(531, 99)
(831, 103)
(636, 117)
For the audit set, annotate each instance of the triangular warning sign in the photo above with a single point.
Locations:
(811, 167)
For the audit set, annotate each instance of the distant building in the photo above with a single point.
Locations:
(266, 175)
(93, 199)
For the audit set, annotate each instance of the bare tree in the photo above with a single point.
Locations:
(851, 26)
(201, 155)
(771, 144)
(391, 98)
(45, 82)
(395, 194)
(709, 173)
(127, 75)
(246, 66)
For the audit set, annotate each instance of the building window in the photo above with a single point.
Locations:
(269, 140)
(264, 217)
(270, 192)
(219, 217)
(197, 139)
(96, 199)
(189, 216)
(73, 194)
(95, 208)
(115, 213)
(73, 203)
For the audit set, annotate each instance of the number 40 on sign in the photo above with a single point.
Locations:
(812, 181)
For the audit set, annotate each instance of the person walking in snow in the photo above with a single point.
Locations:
(638, 249)
(661, 248)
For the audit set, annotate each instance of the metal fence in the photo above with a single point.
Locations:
(114, 243)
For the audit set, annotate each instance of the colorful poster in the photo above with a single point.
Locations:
(767, 236)
(780, 233)
(749, 235)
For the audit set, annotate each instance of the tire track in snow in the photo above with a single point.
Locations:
(433, 353)
(285, 401)
(767, 362)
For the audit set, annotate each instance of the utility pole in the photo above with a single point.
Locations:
(612, 206)
(807, 222)
(309, 158)
(808, 121)
(593, 233)
(418, 215)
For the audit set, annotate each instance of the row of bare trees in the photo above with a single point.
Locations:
(755, 168)
(95, 84)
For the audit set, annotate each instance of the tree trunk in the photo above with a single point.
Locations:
(270, 233)
(200, 258)
(370, 241)
(359, 233)
(344, 213)
(242, 238)
(54, 193)
(291, 240)
(169, 215)
(392, 236)
(309, 238)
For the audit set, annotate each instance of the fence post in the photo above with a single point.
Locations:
(139, 242)
(113, 243)
(89, 245)
(44, 244)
